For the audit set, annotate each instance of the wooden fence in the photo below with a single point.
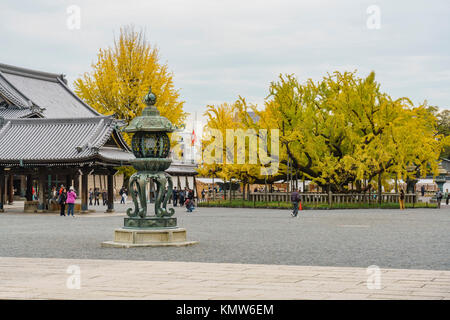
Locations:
(313, 198)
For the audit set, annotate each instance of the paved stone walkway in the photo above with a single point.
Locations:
(42, 278)
(408, 239)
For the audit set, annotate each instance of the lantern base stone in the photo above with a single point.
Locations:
(131, 238)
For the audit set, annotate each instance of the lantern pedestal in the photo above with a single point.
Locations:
(130, 238)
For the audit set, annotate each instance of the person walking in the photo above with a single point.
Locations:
(62, 201)
(402, 199)
(96, 197)
(422, 190)
(105, 197)
(175, 196)
(446, 196)
(71, 197)
(439, 198)
(121, 192)
(91, 195)
(123, 197)
(295, 199)
(181, 197)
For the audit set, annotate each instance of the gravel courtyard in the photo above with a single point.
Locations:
(410, 239)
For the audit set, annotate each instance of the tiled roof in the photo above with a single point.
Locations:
(26, 88)
(182, 169)
(38, 141)
(15, 113)
(115, 154)
(14, 96)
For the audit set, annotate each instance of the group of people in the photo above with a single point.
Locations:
(184, 198)
(64, 197)
(67, 198)
(209, 193)
(95, 195)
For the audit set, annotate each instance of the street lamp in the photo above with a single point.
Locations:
(151, 147)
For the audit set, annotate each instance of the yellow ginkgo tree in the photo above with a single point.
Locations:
(339, 131)
(122, 75)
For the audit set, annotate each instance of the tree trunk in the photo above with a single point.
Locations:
(379, 189)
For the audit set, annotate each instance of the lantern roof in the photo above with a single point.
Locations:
(150, 120)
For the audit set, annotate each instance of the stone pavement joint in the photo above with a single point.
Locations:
(47, 278)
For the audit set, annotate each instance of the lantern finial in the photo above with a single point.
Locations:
(150, 98)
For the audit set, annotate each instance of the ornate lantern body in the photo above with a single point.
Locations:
(151, 146)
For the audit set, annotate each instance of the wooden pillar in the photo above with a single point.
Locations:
(76, 183)
(29, 192)
(195, 188)
(110, 185)
(41, 186)
(2, 190)
(84, 192)
(68, 181)
(23, 185)
(11, 188)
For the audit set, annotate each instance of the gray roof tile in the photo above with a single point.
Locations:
(57, 140)
(10, 93)
(25, 88)
(14, 113)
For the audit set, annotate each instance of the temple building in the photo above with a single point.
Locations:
(49, 137)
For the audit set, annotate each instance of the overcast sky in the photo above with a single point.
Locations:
(221, 49)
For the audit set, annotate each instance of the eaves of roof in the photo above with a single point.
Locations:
(44, 141)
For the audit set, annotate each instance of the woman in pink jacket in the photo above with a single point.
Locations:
(71, 197)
